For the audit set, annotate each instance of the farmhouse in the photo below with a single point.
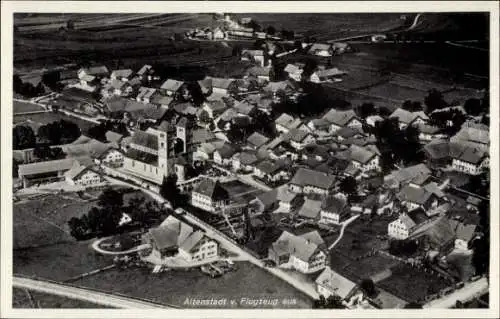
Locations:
(364, 158)
(407, 223)
(245, 161)
(146, 95)
(256, 56)
(331, 283)
(271, 171)
(223, 86)
(416, 197)
(146, 73)
(407, 118)
(294, 72)
(403, 176)
(123, 75)
(340, 119)
(256, 140)
(470, 161)
(333, 74)
(321, 49)
(284, 123)
(44, 172)
(309, 181)
(278, 198)
(214, 108)
(82, 176)
(223, 155)
(176, 238)
(334, 210)
(299, 138)
(472, 136)
(111, 157)
(310, 210)
(302, 253)
(210, 196)
(171, 87)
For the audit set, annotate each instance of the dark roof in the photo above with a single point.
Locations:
(145, 139)
(141, 156)
(334, 204)
(257, 139)
(226, 151)
(46, 167)
(414, 195)
(212, 189)
(418, 215)
(221, 83)
(305, 177)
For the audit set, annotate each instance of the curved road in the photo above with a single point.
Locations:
(95, 246)
(93, 296)
(344, 225)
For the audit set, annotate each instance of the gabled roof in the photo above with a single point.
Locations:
(117, 84)
(408, 173)
(146, 93)
(471, 155)
(334, 204)
(221, 83)
(320, 47)
(297, 135)
(465, 232)
(284, 120)
(292, 68)
(46, 167)
(310, 208)
(437, 149)
(113, 137)
(226, 151)
(330, 72)
(257, 139)
(171, 233)
(297, 246)
(408, 117)
(217, 105)
(125, 73)
(340, 118)
(253, 52)
(171, 85)
(336, 283)
(192, 241)
(247, 158)
(276, 86)
(162, 100)
(307, 177)
(212, 189)
(244, 108)
(259, 71)
(473, 135)
(146, 68)
(361, 154)
(202, 135)
(415, 195)
(96, 70)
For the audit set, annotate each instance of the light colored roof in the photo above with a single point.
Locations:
(320, 47)
(87, 78)
(336, 283)
(310, 208)
(330, 72)
(96, 70)
(340, 118)
(314, 237)
(296, 245)
(413, 194)
(259, 71)
(113, 137)
(193, 239)
(465, 232)
(361, 154)
(257, 139)
(215, 96)
(252, 52)
(297, 135)
(202, 135)
(217, 105)
(292, 68)
(92, 148)
(145, 92)
(244, 107)
(276, 86)
(162, 100)
(221, 83)
(171, 85)
(284, 120)
(408, 173)
(145, 68)
(309, 177)
(125, 73)
(46, 167)
(408, 117)
(473, 135)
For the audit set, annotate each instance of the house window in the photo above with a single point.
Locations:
(162, 145)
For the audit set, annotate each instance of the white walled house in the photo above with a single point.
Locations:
(334, 210)
(112, 157)
(209, 195)
(82, 176)
(197, 247)
(470, 161)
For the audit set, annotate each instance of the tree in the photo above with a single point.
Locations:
(78, 228)
(348, 185)
(42, 152)
(236, 50)
(23, 137)
(110, 200)
(17, 83)
(169, 190)
(366, 109)
(270, 30)
(473, 107)
(297, 44)
(204, 117)
(368, 287)
(434, 101)
(412, 106)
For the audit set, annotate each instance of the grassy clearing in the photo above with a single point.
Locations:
(20, 299)
(412, 285)
(49, 117)
(395, 92)
(22, 107)
(175, 286)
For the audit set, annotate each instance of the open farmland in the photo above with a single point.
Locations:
(49, 117)
(395, 93)
(174, 287)
(24, 107)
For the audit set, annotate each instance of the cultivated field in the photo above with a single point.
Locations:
(23, 107)
(175, 286)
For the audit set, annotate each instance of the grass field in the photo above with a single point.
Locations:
(49, 117)
(21, 299)
(23, 107)
(175, 286)
(412, 285)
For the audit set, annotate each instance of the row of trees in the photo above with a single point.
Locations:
(98, 131)
(54, 133)
(27, 89)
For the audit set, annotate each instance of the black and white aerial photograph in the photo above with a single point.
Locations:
(251, 160)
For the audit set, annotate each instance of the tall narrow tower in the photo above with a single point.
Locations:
(162, 134)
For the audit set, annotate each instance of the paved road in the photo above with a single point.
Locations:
(96, 297)
(468, 292)
(95, 246)
(344, 225)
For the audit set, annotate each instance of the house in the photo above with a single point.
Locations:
(214, 108)
(171, 87)
(341, 47)
(429, 133)
(262, 73)
(245, 161)
(310, 209)
(473, 136)
(334, 210)
(278, 148)
(146, 95)
(321, 49)
(407, 223)
(122, 75)
(224, 155)
(219, 34)
(81, 175)
(256, 140)
(473, 203)
(256, 56)
(44, 172)
(340, 119)
(437, 153)
(111, 157)
(364, 158)
(407, 118)
(210, 196)
(320, 127)
(317, 152)
(278, 198)
(146, 73)
(398, 178)
(271, 171)
(97, 72)
(439, 236)
(417, 197)
(243, 108)
(176, 238)
(373, 119)
(333, 74)
(223, 86)
(310, 181)
(470, 161)
(302, 253)
(298, 139)
(465, 234)
(113, 137)
(117, 87)
(294, 72)
(284, 123)
(329, 283)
